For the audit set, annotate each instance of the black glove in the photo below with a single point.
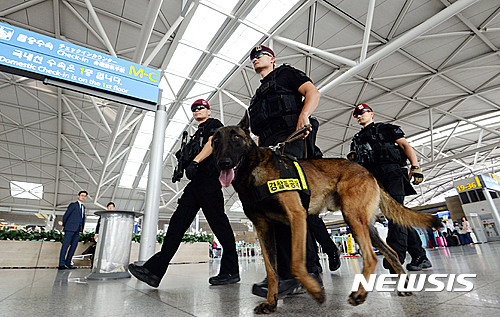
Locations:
(351, 156)
(192, 170)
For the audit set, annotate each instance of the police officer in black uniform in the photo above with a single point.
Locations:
(277, 110)
(205, 192)
(383, 150)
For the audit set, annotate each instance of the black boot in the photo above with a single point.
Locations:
(334, 260)
(419, 263)
(388, 266)
(223, 279)
(143, 274)
(285, 287)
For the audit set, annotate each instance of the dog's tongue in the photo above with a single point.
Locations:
(226, 177)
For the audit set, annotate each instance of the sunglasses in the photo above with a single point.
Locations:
(199, 107)
(359, 112)
(259, 55)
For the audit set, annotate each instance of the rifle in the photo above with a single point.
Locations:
(181, 156)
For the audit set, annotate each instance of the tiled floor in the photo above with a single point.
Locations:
(185, 291)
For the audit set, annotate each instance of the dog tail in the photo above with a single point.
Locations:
(404, 216)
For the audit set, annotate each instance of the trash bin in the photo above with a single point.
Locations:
(112, 253)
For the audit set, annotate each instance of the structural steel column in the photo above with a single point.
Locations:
(494, 210)
(150, 220)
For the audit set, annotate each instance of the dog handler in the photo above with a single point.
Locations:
(276, 111)
(205, 192)
(382, 149)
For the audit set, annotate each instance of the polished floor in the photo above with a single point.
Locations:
(185, 291)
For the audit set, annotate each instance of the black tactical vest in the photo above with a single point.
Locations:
(373, 147)
(274, 107)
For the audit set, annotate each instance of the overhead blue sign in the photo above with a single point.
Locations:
(490, 183)
(35, 53)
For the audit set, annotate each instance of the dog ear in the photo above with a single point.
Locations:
(245, 123)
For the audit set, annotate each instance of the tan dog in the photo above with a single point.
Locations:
(334, 183)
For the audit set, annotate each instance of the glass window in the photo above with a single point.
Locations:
(464, 198)
(480, 194)
(473, 196)
(493, 194)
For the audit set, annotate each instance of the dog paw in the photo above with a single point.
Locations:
(356, 299)
(404, 294)
(265, 308)
(320, 297)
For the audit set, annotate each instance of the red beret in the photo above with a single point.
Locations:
(202, 102)
(360, 109)
(261, 48)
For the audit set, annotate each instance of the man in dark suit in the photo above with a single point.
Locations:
(73, 223)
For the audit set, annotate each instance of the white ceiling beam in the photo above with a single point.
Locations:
(166, 36)
(415, 95)
(460, 155)
(330, 56)
(79, 187)
(221, 107)
(84, 22)
(54, 111)
(59, 147)
(19, 126)
(83, 131)
(84, 113)
(100, 28)
(431, 127)
(117, 156)
(130, 123)
(399, 19)
(241, 103)
(452, 159)
(99, 112)
(150, 17)
(75, 146)
(368, 28)
(26, 160)
(57, 19)
(111, 144)
(400, 41)
(20, 7)
(351, 47)
(445, 70)
(175, 42)
(70, 146)
(473, 28)
(246, 80)
(448, 139)
(113, 16)
(487, 155)
(456, 34)
(479, 141)
(132, 49)
(310, 35)
(126, 136)
(109, 180)
(174, 197)
(439, 104)
(122, 168)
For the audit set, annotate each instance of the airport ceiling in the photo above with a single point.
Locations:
(431, 67)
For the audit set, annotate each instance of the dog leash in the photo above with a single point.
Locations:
(292, 137)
